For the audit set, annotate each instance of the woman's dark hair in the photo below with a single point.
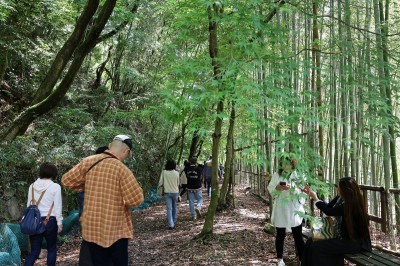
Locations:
(48, 170)
(283, 161)
(170, 165)
(355, 211)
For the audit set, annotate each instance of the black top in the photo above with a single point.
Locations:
(193, 175)
(336, 208)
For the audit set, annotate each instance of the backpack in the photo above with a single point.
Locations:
(31, 222)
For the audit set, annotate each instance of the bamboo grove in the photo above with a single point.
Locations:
(314, 79)
(244, 81)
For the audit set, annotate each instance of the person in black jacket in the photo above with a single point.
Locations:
(351, 226)
(193, 176)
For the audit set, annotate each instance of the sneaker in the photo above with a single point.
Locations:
(171, 228)
(194, 218)
(280, 263)
(198, 213)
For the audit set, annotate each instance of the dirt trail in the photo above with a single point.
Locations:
(238, 237)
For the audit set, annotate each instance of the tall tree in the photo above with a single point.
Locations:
(79, 44)
(224, 192)
(214, 11)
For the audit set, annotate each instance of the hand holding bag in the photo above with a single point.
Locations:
(322, 228)
(160, 188)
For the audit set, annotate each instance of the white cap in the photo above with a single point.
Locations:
(125, 139)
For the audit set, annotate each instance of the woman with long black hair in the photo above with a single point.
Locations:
(351, 226)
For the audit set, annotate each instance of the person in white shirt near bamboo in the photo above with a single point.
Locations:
(287, 202)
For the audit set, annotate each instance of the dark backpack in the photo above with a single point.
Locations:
(31, 222)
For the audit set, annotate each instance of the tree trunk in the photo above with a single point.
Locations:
(318, 82)
(383, 84)
(193, 146)
(213, 12)
(66, 52)
(343, 99)
(350, 108)
(183, 133)
(21, 123)
(3, 62)
(228, 161)
(392, 132)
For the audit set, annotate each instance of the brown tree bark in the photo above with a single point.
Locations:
(3, 62)
(318, 82)
(66, 52)
(229, 161)
(47, 98)
(193, 152)
(214, 11)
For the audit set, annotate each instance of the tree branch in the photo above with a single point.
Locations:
(22, 122)
(66, 52)
(117, 29)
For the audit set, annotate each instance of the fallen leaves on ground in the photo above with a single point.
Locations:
(238, 237)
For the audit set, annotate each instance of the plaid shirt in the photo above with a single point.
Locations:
(110, 188)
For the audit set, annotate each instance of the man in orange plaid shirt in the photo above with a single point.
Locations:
(110, 189)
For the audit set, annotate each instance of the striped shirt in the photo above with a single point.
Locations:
(110, 188)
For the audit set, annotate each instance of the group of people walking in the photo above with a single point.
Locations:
(351, 228)
(110, 189)
(106, 190)
(190, 181)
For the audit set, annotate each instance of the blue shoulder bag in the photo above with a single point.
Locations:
(31, 222)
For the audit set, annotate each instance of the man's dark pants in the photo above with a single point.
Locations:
(117, 253)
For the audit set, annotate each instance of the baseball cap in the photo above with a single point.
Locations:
(125, 139)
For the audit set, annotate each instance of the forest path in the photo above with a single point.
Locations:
(238, 237)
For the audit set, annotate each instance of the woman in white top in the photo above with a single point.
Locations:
(183, 181)
(287, 203)
(170, 179)
(51, 201)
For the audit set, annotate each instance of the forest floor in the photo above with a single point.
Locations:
(238, 237)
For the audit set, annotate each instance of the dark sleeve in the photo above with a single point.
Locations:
(330, 210)
(333, 202)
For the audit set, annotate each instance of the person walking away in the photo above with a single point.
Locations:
(183, 181)
(207, 174)
(351, 226)
(85, 258)
(221, 168)
(50, 202)
(110, 189)
(286, 206)
(170, 179)
(193, 176)
(81, 194)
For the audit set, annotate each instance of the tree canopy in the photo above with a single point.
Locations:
(244, 81)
